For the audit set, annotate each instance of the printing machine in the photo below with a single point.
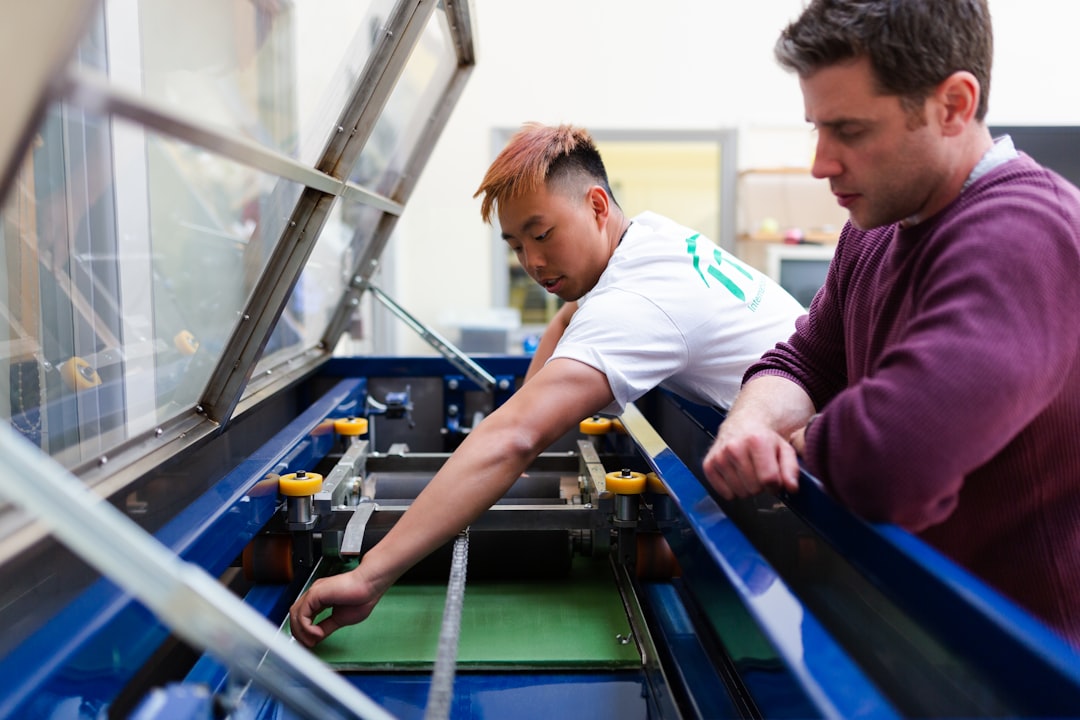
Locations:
(172, 346)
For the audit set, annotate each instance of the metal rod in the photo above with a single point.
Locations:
(458, 359)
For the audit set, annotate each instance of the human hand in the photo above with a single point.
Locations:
(351, 596)
(747, 458)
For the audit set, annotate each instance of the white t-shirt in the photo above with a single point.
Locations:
(673, 309)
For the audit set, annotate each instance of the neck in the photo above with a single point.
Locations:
(619, 225)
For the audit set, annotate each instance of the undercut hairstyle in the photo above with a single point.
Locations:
(912, 45)
(563, 157)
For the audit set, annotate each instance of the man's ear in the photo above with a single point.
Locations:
(958, 96)
(599, 202)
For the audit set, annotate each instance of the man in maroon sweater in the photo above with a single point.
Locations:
(935, 382)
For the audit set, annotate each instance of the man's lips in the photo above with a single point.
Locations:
(845, 199)
(552, 285)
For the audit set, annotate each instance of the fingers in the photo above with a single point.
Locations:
(302, 616)
(350, 598)
(746, 465)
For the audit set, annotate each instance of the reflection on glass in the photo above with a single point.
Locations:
(351, 225)
(408, 110)
(275, 71)
(128, 258)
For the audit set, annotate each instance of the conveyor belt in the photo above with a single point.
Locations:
(573, 622)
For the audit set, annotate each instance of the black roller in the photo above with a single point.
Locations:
(502, 555)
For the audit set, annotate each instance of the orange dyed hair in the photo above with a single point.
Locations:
(535, 155)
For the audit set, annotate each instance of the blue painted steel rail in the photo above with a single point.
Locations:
(833, 683)
(91, 649)
(1026, 667)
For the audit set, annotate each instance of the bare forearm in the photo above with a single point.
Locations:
(550, 338)
(470, 482)
(774, 402)
(752, 451)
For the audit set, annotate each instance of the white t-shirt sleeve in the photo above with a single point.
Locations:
(628, 338)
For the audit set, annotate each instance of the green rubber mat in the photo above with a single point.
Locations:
(571, 622)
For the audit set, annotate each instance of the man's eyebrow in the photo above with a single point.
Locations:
(837, 122)
(530, 222)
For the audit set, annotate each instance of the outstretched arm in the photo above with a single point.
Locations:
(753, 450)
(482, 469)
(550, 338)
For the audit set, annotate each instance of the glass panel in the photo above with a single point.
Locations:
(351, 224)
(276, 71)
(409, 109)
(128, 258)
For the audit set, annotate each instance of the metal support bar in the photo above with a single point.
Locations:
(458, 359)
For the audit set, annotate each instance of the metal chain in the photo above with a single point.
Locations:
(441, 693)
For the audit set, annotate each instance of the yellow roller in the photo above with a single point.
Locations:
(351, 426)
(625, 482)
(186, 342)
(654, 484)
(300, 484)
(595, 425)
(617, 426)
(78, 374)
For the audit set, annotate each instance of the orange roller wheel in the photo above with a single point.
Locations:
(300, 484)
(617, 426)
(625, 482)
(351, 426)
(595, 425)
(78, 374)
(655, 560)
(268, 559)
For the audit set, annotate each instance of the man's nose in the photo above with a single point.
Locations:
(825, 164)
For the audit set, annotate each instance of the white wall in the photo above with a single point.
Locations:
(694, 64)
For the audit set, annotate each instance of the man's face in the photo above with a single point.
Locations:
(558, 238)
(882, 164)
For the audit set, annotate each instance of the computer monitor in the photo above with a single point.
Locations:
(799, 269)
(1055, 146)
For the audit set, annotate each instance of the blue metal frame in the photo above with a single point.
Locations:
(833, 684)
(1027, 663)
(93, 647)
(1015, 650)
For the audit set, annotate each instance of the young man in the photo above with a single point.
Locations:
(656, 304)
(935, 382)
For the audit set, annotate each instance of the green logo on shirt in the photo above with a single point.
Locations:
(721, 260)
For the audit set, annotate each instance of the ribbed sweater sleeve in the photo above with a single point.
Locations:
(932, 348)
(945, 361)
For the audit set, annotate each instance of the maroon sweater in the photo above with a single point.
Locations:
(946, 361)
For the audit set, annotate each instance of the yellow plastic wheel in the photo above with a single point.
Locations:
(300, 484)
(654, 484)
(185, 342)
(78, 374)
(625, 482)
(617, 426)
(595, 425)
(351, 426)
